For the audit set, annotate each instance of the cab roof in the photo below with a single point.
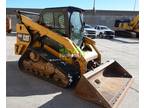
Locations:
(69, 8)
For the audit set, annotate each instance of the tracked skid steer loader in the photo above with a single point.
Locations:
(55, 49)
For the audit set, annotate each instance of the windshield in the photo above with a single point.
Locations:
(87, 26)
(104, 28)
(76, 28)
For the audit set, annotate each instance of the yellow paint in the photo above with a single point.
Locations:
(64, 41)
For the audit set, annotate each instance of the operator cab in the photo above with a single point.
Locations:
(67, 21)
(118, 21)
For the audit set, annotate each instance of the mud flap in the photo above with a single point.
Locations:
(106, 85)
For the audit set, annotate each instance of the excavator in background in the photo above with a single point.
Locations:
(8, 24)
(54, 48)
(127, 27)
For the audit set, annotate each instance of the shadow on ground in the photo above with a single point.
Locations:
(11, 34)
(124, 41)
(20, 84)
(64, 102)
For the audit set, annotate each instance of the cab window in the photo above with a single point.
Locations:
(54, 21)
(48, 19)
(59, 22)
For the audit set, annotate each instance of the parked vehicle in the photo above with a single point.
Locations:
(127, 27)
(89, 31)
(104, 32)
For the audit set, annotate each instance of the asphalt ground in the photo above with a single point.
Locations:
(26, 91)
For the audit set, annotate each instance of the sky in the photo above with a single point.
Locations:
(85, 4)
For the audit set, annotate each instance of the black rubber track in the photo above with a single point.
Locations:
(67, 69)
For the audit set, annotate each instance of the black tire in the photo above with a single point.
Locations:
(111, 37)
(101, 35)
(137, 34)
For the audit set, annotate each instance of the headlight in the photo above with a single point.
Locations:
(23, 37)
(85, 32)
(105, 32)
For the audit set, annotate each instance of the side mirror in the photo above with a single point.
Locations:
(83, 24)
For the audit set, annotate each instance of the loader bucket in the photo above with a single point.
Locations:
(105, 85)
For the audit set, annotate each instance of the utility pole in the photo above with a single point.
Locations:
(134, 5)
(94, 6)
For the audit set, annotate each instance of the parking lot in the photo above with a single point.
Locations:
(26, 91)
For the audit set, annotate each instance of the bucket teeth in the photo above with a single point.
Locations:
(105, 85)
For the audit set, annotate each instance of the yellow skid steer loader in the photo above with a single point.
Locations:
(55, 49)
